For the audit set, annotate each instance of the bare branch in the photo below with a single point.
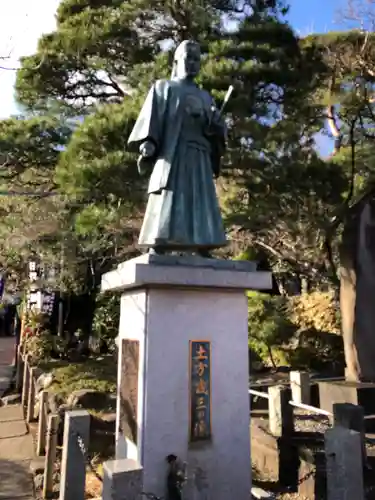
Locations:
(38, 66)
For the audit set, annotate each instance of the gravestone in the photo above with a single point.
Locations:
(183, 370)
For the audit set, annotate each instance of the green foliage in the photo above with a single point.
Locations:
(269, 327)
(99, 375)
(35, 321)
(101, 41)
(95, 163)
(42, 345)
(318, 342)
(102, 185)
(317, 350)
(102, 192)
(278, 196)
(82, 65)
(107, 317)
(301, 331)
(31, 146)
(29, 151)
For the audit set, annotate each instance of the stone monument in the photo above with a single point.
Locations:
(183, 375)
(357, 289)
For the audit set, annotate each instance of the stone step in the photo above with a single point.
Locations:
(11, 413)
(17, 448)
(12, 429)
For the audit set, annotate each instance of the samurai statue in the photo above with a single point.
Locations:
(180, 136)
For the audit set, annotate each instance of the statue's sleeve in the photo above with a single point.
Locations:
(149, 124)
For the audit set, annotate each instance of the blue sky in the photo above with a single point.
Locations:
(317, 16)
(308, 16)
(19, 35)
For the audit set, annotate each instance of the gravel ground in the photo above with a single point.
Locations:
(305, 421)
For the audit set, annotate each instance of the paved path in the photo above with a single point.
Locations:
(16, 444)
(6, 360)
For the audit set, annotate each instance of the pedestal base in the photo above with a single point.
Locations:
(166, 307)
(357, 393)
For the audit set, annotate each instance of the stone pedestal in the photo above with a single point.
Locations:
(122, 480)
(175, 311)
(356, 393)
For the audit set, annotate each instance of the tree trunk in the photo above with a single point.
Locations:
(271, 357)
(357, 292)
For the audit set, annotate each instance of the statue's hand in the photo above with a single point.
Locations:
(147, 149)
(143, 164)
(216, 124)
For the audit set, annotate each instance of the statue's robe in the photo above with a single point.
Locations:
(182, 210)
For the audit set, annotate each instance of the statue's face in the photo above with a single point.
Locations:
(189, 62)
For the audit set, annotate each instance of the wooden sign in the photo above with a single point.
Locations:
(129, 389)
(200, 390)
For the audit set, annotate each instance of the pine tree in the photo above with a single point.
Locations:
(99, 63)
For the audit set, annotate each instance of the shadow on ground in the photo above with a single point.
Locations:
(15, 480)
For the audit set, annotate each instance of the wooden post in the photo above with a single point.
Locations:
(53, 424)
(42, 424)
(25, 384)
(19, 371)
(31, 399)
(22, 336)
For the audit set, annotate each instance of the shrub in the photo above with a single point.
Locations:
(315, 311)
(301, 331)
(318, 350)
(35, 320)
(34, 324)
(318, 343)
(107, 318)
(43, 345)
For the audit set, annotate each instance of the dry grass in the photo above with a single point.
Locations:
(93, 485)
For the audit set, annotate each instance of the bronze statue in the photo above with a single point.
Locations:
(180, 136)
